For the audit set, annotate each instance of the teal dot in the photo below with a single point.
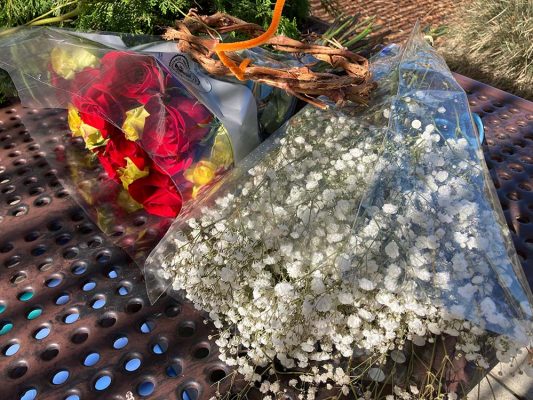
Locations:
(25, 296)
(2, 308)
(5, 327)
(34, 313)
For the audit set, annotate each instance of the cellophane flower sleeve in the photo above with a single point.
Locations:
(138, 131)
(358, 232)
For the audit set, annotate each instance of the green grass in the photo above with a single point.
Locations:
(492, 41)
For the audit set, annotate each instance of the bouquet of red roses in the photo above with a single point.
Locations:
(135, 132)
(148, 134)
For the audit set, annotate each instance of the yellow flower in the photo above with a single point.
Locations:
(131, 173)
(92, 137)
(68, 60)
(200, 174)
(133, 125)
(222, 151)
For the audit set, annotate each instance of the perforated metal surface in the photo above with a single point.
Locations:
(70, 300)
(61, 277)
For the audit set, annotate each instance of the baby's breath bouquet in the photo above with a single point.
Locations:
(358, 253)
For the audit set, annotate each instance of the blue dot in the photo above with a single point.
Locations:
(103, 382)
(112, 274)
(147, 327)
(91, 359)
(62, 299)
(89, 286)
(79, 269)
(60, 377)
(123, 290)
(120, 343)
(173, 370)
(53, 282)
(72, 397)
(160, 348)
(42, 333)
(145, 388)
(30, 394)
(11, 349)
(132, 365)
(71, 318)
(189, 394)
(98, 303)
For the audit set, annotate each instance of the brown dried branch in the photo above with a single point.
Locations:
(347, 79)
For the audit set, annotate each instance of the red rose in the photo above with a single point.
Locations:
(134, 76)
(157, 193)
(97, 103)
(165, 137)
(196, 116)
(112, 156)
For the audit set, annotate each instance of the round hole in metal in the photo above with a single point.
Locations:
(13, 200)
(54, 226)
(173, 310)
(5, 326)
(34, 313)
(147, 326)
(25, 295)
(91, 359)
(50, 353)
(98, 302)
(53, 281)
(71, 317)
(80, 336)
(88, 286)
(30, 180)
(39, 250)
(95, 242)
(186, 329)
(60, 377)
(107, 320)
(32, 236)
(62, 194)
(174, 369)
(522, 219)
(30, 394)
(134, 306)
(124, 289)
(70, 253)
(79, 268)
(85, 229)
(160, 346)
(34, 191)
(120, 342)
(145, 388)
(41, 333)
(139, 221)
(189, 393)
(201, 351)
(12, 261)
(73, 397)
(102, 382)
(18, 278)
(8, 189)
(77, 216)
(42, 201)
(19, 211)
(18, 371)
(11, 349)
(217, 375)
(62, 299)
(6, 247)
(103, 257)
(2, 307)
(514, 196)
(63, 239)
(112, 273)
(133, 363)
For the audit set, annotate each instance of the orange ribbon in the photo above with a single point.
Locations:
(221, 48)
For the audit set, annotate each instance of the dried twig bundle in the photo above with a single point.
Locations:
(348, 78)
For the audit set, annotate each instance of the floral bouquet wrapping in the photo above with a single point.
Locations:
(358, 253)
(160, 129)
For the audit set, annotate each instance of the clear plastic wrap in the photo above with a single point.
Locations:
(356, 231)
(160, 128)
